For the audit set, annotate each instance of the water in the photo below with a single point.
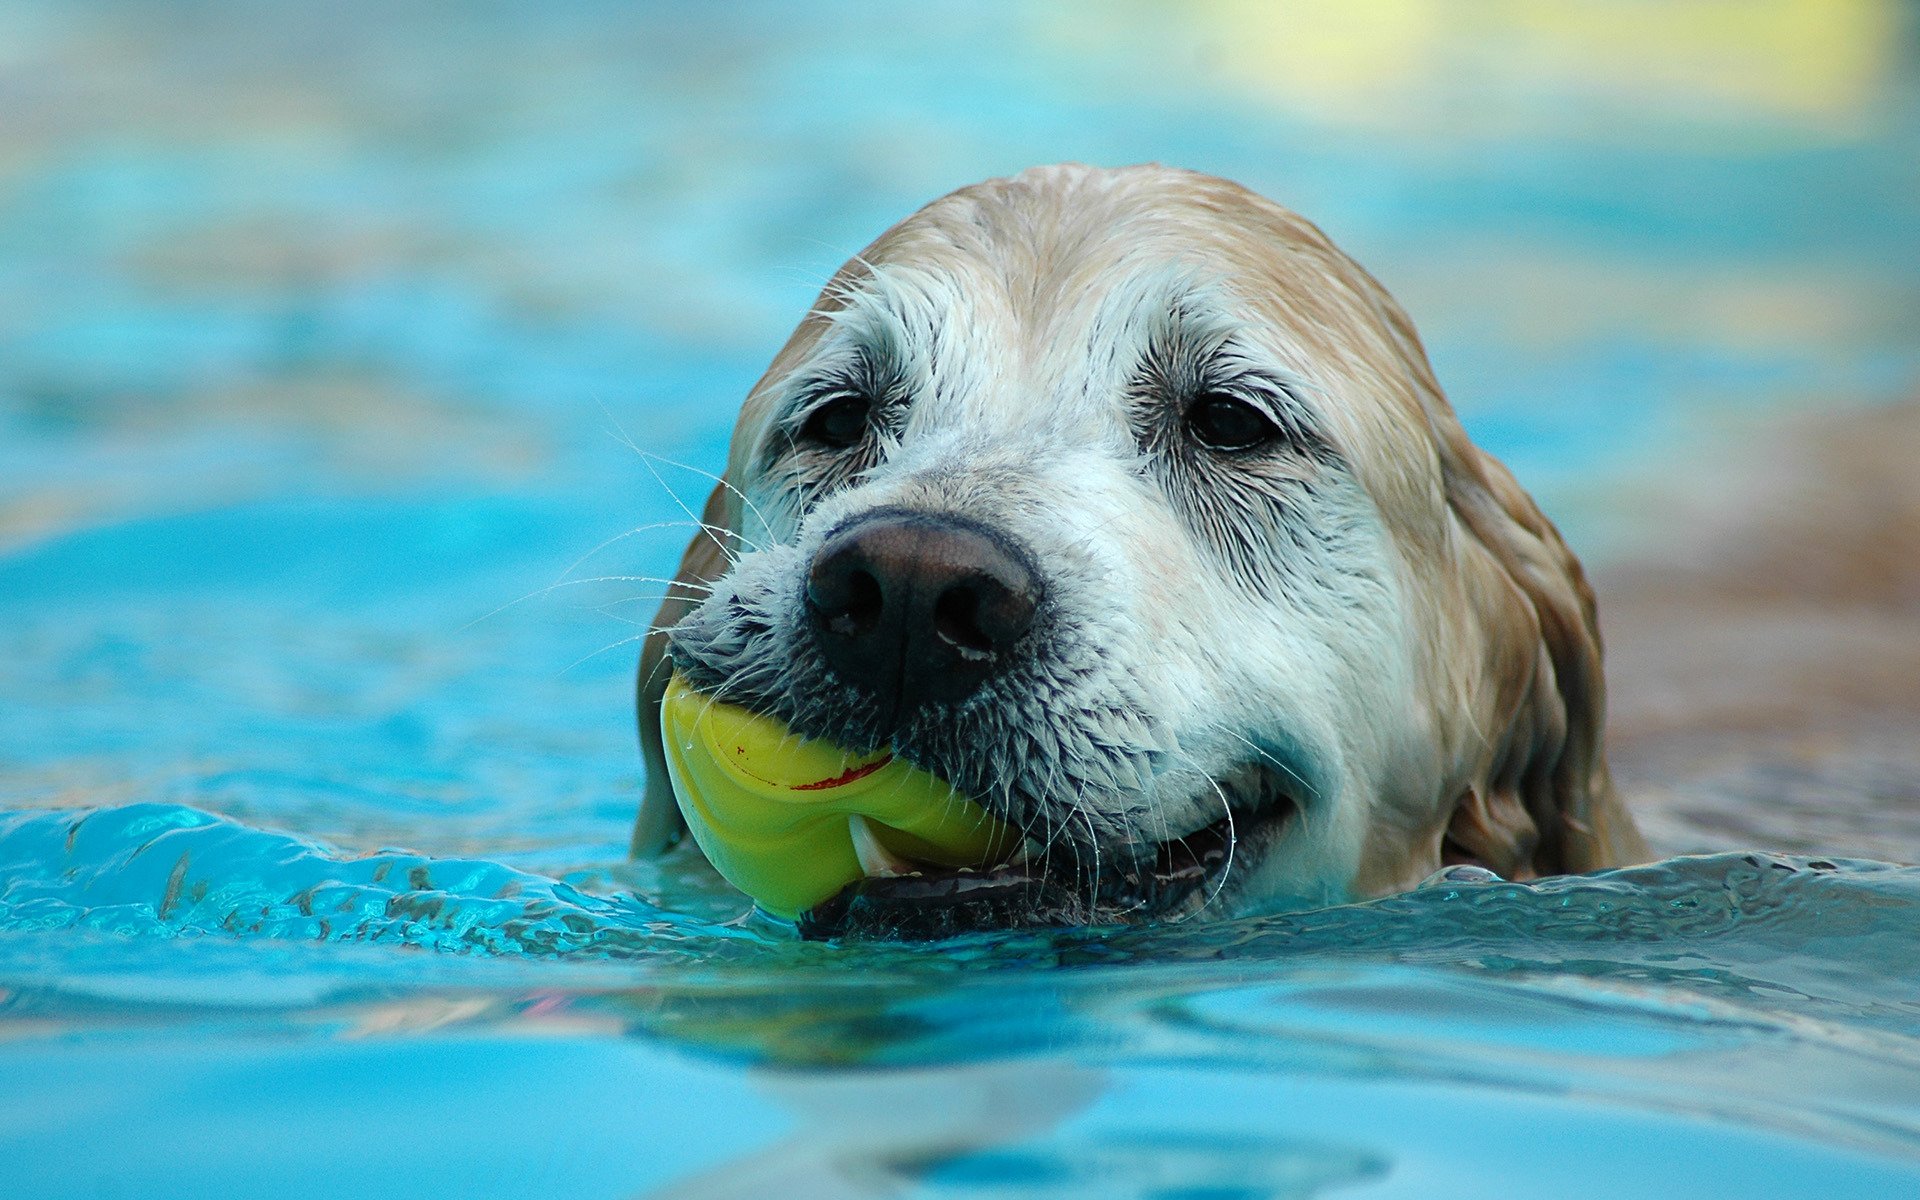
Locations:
(1739, 1022)
(325, 341)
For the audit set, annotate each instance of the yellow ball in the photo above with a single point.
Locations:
(787, 820)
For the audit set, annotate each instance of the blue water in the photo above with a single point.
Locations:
(348, 355)
(231, 1006)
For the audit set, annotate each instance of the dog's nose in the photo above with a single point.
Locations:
(918, 608)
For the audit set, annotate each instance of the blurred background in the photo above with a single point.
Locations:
(332, 337)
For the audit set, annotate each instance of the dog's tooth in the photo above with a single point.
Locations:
(875, 859)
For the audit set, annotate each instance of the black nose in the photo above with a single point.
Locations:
(918, 608)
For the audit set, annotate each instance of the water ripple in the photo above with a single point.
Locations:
(1783, 933)
(156, 870)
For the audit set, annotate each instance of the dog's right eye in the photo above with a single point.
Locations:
(1229, 424)
(840, 423)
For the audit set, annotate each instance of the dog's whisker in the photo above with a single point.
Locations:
(723, 537)
(570, 583)
(1093, 871)
(625, 534)
(607, 611)
(586, 658)
(1233, 845)
(644, 598)
(1283, 767)
(721, 481)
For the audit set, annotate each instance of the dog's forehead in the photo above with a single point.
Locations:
(1050, 248)
(1033, 295)
(1052, 265)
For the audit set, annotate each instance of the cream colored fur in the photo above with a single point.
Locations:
(1439, 664)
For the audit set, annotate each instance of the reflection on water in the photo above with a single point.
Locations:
(326, 337)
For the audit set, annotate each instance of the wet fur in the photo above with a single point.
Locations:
(1375, 611)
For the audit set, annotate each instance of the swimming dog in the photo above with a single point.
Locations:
(1126, 503)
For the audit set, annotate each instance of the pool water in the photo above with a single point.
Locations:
(219, 1009)
(355, 364)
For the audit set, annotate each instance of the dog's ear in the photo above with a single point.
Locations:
(1541, 801)
(1535, 797)
(659, 825)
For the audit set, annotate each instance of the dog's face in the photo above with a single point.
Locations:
(1126, 503)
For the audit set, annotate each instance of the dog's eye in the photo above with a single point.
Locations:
(1222, 422)
(840, 423)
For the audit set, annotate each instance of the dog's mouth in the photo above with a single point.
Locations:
(1062, 883)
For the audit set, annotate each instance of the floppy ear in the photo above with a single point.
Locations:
(1537, 798)
(659, 825)
(1542, 801)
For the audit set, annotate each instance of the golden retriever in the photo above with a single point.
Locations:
(1128, 504)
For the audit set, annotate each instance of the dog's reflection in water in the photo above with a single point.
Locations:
(997, 1129)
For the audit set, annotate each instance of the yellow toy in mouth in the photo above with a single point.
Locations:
(790, 821)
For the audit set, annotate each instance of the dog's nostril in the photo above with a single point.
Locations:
(850, 603)
(956, 618)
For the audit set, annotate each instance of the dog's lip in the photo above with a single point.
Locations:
(1181, 873)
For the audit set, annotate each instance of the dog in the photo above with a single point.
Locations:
(1126, 503)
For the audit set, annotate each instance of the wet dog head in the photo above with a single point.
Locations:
(1129, 505)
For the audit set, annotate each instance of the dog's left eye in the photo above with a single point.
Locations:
(1222, 422)
(840, 423)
